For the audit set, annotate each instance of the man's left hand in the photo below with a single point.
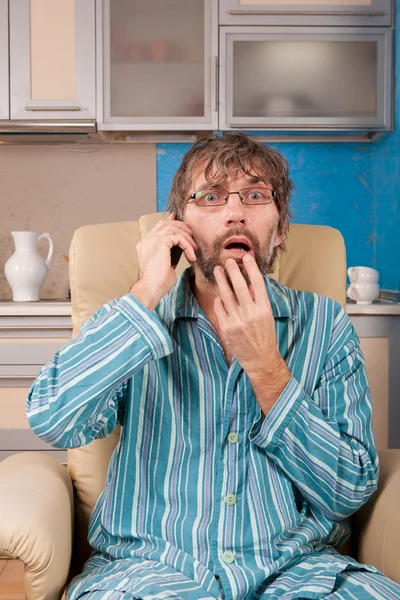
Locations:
(247, 325)
(245, 320)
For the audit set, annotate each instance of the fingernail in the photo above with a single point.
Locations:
(247, 257)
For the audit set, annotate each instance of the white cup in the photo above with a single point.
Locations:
(363, 293)
(363, 275)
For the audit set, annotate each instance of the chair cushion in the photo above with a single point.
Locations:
(103, 265)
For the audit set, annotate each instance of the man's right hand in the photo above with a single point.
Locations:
(156, 274)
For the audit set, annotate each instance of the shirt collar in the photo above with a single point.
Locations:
(184, 304)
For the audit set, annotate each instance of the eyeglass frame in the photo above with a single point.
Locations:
(273, 195)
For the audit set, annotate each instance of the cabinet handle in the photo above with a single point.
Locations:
(344, 13)
(214, 82)
(38, 327)
(40, 107)
(265, 126)
(2, 377)
(49, 126)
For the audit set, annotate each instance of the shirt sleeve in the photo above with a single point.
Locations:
(78, 395)
(325, 442)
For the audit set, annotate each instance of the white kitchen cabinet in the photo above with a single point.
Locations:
(30, 334)
(377, 361)
(4, 85)
(306, 78)
(380, 343)
(157, 64)
(52, 59)
(370, 13)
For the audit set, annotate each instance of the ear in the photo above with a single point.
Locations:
(279, 239)
(281, 234)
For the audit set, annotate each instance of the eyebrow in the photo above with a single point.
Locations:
(205, 185)
(254, 179)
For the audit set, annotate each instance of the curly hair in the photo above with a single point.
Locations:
(221, 155)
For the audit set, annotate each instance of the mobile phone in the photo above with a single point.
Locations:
(176, 253)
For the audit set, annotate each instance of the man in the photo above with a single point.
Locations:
(245, 410)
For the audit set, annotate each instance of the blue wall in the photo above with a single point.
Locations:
(386, 176)
(354, 187)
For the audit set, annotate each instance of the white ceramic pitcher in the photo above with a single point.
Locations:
(26, 270)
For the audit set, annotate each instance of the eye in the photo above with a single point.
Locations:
(257, 195)
(210, 197)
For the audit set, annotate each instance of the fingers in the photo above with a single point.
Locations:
(183, 228)
(246, 294)
(172, 222)
(185, 235)
(227, 295)
(186, 245)
(170, 226)
(259, 292)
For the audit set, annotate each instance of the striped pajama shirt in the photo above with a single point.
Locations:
(204, 498)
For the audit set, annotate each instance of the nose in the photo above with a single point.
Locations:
(234, 209)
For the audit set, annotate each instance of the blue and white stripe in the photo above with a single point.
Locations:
(161, 526)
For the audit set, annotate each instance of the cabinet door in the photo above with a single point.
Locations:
(371, 13)
(52, 59)
(4, 89)
(305, 79)
(157, 64)
(376, 355)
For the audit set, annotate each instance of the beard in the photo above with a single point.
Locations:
(208, 258)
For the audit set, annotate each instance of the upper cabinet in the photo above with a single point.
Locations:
(180, 65)
(4, 89)
(52, 59)
(370, 13)
(306, 78)
(157, 64)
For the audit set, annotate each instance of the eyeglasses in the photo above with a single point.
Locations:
(219, 197)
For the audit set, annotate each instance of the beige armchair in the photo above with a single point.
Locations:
(45, 507)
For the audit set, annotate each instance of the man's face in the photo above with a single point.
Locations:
(212, 227)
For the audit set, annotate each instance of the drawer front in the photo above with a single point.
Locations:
(15, 433)
(29, 351)
(22, 358)
(27, 343)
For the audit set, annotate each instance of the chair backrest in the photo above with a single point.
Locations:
(103, 265)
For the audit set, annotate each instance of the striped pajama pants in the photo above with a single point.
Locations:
(350, 585)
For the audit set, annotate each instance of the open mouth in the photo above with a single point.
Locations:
(237, 245)
(238, 249)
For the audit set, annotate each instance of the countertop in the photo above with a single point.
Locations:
(45, 308)
(377, 308)
(63, 308)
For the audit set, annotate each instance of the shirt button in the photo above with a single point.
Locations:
(233, 437)
(230, 499)
(228, 557)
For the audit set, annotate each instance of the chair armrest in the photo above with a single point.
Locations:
(378, 522)
(36, 520)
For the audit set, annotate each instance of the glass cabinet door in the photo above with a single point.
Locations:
(159, 64)
(4, 82)
(370, 13)
(321, 78)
